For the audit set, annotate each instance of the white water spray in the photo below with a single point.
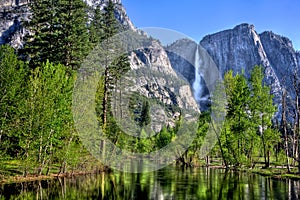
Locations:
(197, 87)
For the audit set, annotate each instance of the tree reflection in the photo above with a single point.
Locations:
(168, 183)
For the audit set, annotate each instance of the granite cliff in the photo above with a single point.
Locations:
(239, 49)
(13, 14)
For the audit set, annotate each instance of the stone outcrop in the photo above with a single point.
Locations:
(238, 49)
(162, 82)
(13, 14)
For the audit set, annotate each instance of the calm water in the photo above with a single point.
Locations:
(168, 183)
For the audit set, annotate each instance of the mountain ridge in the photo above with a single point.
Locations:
(238, 49)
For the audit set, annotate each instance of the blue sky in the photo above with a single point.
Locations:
(197, 18)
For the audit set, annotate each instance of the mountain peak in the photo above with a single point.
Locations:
(244, 26)
(275, 37)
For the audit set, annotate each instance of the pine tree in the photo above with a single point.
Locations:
(59, 33)
(44, 26)
(73, 39)
(145, 114)
(96, 32)
(120, 65)
(110, 24)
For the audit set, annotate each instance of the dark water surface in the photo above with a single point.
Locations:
(167, 183)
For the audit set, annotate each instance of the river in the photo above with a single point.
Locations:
(168, 183)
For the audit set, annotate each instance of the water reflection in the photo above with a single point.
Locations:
(168, 183)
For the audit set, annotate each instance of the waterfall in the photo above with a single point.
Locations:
(197, 86)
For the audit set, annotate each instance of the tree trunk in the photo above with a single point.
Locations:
(284, 124)
(105, 107)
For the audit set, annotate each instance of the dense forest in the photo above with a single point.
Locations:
(37, 132)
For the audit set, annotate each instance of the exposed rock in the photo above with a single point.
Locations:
(282, 56)
(13, 14)
(120, 11)
(182, 57)
(155, 59)
(240, 49)
(11, 29)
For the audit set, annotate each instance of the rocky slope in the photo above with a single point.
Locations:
(154, 76)
(240, 49)
(13, 13)
(155, 58)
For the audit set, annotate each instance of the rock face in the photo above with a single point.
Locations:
(183, 64)
(120, 11)
(154, 78)
(282, 56)
(240, 49)
(162, 82)
(13, 13)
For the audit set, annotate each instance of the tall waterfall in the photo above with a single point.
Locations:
(197, 86)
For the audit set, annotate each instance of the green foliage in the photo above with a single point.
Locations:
(49, 124)
(74, 39)
(95, 28)
(145, 114)
(248, 125)
(203, 125)
(13, 75)
(109, 24)
(262, 112)
(164, 137)
(59, 33)
(237, 119)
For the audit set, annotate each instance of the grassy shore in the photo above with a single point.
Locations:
(276, 170)
(11, 172)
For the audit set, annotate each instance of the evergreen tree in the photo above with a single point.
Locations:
(116, 68)
(96, 32)
(42, 43)
(73, 39)
(110, 24)
(145, 114)
(59, 32)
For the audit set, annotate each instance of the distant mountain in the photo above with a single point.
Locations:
(239, 49)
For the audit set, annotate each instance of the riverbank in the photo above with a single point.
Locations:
(11, 172)
(276, 172)
(30, 178)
